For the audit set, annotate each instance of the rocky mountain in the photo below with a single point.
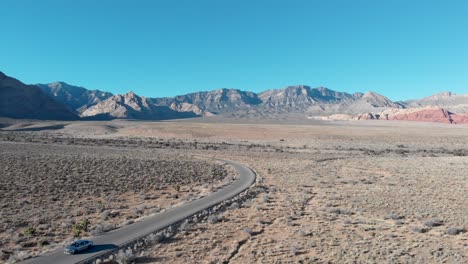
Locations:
(132, 106)
(447, 100)
(212, 102)
(369, 102)
(78, 99)
(322, 101)
(301, 98)
(18, 100)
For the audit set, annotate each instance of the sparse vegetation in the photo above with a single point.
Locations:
(354, 192)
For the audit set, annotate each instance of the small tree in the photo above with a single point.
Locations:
(77, 230)
(85, 224)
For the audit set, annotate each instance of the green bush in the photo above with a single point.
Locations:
(29, 231)
(81, 227)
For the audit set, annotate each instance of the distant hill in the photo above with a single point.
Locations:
(78, 99)
(18, 100)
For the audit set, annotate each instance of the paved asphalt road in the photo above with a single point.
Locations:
(121, 236)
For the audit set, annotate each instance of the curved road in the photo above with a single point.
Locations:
(115, 238)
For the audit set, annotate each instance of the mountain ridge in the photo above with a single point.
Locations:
(296, 100)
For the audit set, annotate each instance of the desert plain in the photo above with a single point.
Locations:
(332, 191)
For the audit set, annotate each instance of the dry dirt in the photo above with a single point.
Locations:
(341, 192)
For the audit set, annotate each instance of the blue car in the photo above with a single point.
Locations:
(78, 246)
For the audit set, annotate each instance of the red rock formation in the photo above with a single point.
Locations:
(432, 115)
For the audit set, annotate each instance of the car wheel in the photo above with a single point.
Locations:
(73, 252)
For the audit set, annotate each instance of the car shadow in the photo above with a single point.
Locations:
(98, 248)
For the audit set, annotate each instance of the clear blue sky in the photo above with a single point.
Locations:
(402, 49)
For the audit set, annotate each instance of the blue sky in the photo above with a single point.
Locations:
(402, 49)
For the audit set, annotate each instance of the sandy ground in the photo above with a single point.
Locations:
(337, 192)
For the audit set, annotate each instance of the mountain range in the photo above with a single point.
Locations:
(62, 101)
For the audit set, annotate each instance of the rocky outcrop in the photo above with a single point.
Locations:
(438, 115)
(18, 100)
(132, 106)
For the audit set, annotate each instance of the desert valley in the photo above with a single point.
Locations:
(340, 178)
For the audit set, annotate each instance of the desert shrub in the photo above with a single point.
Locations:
(455, 230)
(185, 226)
(248, 231)
(234, 205)
(459, 152)
(10, 232)
(155, 238)
(213, 219)
(418, 229)
(339, 211)
(303, 233)
(434, 222)
(85, 225)
(394, 216)
(80, 227)
(29, 231)
(125, 257)
(77, 230)
(101, 206)
(105, 214)
(399, 222)
(128, 222)
(138, 210)
(294, 250)
(18, 256)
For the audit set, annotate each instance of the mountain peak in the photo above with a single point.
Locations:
(131, 94)
(371, 94)
(442, 94)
